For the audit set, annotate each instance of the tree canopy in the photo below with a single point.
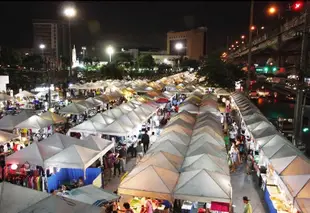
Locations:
(112, 71)
(146, 61)
(219, 73)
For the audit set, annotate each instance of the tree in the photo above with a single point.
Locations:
(34, 61)
(191, 63)
(220, 74)
(146, 61)
(9, 57)
(112, 71)
(164, 68)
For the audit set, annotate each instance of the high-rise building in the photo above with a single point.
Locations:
(54, 35)
(194, 43)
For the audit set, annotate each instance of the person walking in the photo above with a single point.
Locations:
(249, 162)
(139, 149)
(146, 141)
(247, 205)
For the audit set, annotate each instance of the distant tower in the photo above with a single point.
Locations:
(73, 55)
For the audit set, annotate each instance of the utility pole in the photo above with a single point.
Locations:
(250, 46)
(298, 115)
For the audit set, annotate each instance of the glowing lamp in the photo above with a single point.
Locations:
(14, 166)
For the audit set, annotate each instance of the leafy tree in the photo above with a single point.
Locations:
(34, 61)
(164, 68)
(146, 61)
(190, 63)
(220, 74)
(112, 71)
(9, 57)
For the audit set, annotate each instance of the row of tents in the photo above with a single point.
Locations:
(287, 161)
(188, 162)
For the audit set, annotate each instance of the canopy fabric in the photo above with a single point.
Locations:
(206, 148)
(114, 113)
(293, 165)
(271, 140)
(280, 151)
(206, 138)
(264, 132)
(171, 147)
(74, 109)
(189, 107)
(207, 162)
(35, 154)
(134, 117)
(94, 102)
(72, 157)
(99, 144)
(5, 97)
(303, 204)
(142, 114)
(34, 122)
(186, 116)
(296, 183)
(14, 198)
(126, 107)
(117, 128)
(24, 93)
(174, 136)
(161, 159)
(9, 122)
(91, 194)
(203, 186)
(210, 96)
(6, 137)
(180, 122)
(220, 91)
(56, 119)
(152, 181)
(178, 128)
(86, 104)
(102, 119)
(89, 127)
(124, 119)
(56, 204)
(260, 125)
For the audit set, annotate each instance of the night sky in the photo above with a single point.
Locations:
(132, 24)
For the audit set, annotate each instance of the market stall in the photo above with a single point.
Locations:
(9, 122)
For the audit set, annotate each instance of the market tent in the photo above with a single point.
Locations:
(152, 181)
(161, 159)
(260, 125)
(5, 97)
(293, 165)
(34, 122)
(271, 140)
(14, 198)
(56, 119)
(203, 186)
(220, 91)
(184, 115)
(92, 195)
(280, 150)
(171, 147)
(174, 136)
(114, 113)
(207, 162)
(197, 93)
(207, 138)
(134, 117)
(24, 93)
(102, 119)
(73, 157)
(168, 94)
(193, 100)
(94, 102)
(303, 204)
(35, 153)
(88, 126)
(117, 128)
(142, 114)
(57, 204)
(178, 128)
(210, 96)
(206, 148)
(180, 122)
(208, 126)
(6, 137)
(189, 107)
(209, 103)
(214, 132)
(208, 109)
(296, 183)
(86, 104)
(9, 122)
(74, 109)
(99, 144)
(124, 119)
(126, 107)
(255, 116)
(264, 132)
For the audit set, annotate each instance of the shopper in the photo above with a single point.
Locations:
(139, 149)
(234, 157)
(247, 206)
(249, 162)
(153, 138)
(127, 208)
(117, 166)
(123, 157)
(146, 141)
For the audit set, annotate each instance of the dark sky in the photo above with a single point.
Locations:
(130, 23)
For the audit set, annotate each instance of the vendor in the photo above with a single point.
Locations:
(81, 182)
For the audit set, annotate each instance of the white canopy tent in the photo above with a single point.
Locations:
(35, 123)
(206, 148)
(99, 144)
(14, 198)
(203, 186)
(171, 147)
(114, 113)
(94, 102)
(5, 97)
(57, 204)
(56, 119)
(24, 94)
(102, 119)
(290, 166)
(88, 127)
(117, 128)
(88, 105)
(74, 109)
(174, 136)
(189, 107)
(10, 121)
(6, 137)
(222, 92)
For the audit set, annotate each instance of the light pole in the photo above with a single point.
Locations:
(70, 12)
(110, 52)
(45, 64)
(179, 46)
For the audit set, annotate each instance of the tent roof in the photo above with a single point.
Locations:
(25, 93)
(53, 117)
(117, 128)
(13, 199)
(293, 165)
(171, 147)
(203, 186)
(178, 128)
(206, 148)
(94, 102)
(97, 143)
(86, 104)
(10, 121)
(152, 181)
(184, 115)
(296, 183)
(280, 151)
(124, 119)
(114, 113)
(102, 119)
(34, 122)
(303, 204)
(89, 127)
(5, 97)
(271, 140)
(72, 157)
(73, 108)
(163, 160)
(91, 194)
(35, 154)
(181, 122)
(56, 204)
(174, 136)
(264, 132)
(189, 107)
(6, 136)
(207, 138)
(260, 125)
(207, 162)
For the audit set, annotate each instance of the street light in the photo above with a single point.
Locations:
(42, 47)
(243, 37)
(262, 28)
(272, 10)
(178, 46)
(110, 51)
(237, 42)
(70, 12)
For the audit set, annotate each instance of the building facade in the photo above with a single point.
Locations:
(194, 43)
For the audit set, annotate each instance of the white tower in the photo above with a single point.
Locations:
(73, 55)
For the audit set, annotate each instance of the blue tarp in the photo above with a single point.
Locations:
(66, 175)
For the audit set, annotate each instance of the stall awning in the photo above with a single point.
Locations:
(56, 119)
(74, 109)
(34, 122)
